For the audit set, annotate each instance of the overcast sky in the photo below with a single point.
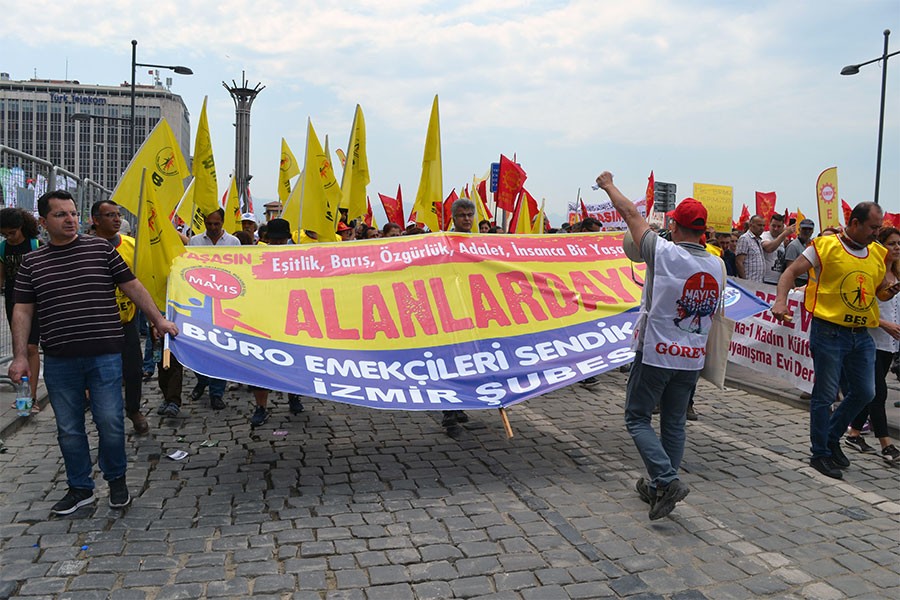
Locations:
(740, 93)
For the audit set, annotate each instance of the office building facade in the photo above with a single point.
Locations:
(85, 129)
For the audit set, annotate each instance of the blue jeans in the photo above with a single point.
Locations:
(66, 380)
(672, 390)
(838, 353)
(216, 386)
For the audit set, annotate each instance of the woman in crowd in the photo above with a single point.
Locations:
(887, 342)
(20, 229)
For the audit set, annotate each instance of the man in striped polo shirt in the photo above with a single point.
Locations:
(71, 283)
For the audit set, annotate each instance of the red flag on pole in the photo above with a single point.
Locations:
(847, 210)
(509, 184)
(532, 210)
(393, 209)
(765, 205)
(649, 195)
(744, 218)
(368, 216)
(447, 212)
(584, 212)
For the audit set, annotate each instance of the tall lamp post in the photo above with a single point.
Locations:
(134, 64)
(853, 70)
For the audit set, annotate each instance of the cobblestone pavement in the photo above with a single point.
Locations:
(347, 503)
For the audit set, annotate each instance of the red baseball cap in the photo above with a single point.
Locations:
(690, 214)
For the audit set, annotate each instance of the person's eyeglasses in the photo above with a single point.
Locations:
(112, 215)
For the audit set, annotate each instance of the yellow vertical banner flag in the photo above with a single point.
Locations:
(538, 226)
(156, 244)
(287, 169)
(166, 168)
(321, 193)
(431, 183)
(800, 217)
(827, 198)
(356, 170)
(232, 208)
(206, 188)
(718, 200)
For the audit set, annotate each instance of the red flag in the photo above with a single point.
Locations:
(649, 195)
(744, 218)
(509, 184)
(447, 212)
(892, 220)
(532, 210)
(765, 205)
(249, 200)
(584, 212)
(368, 216)
(847, 210)
(482, 191)
(393, 209)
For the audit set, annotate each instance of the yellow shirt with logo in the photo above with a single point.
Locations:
(127, 309)
(844, 292)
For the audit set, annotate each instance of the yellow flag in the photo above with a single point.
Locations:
(827, 198)
(157, 243)
(356, 173)
(187, 210)
(480, 206)
(232, 209)
(800, 217)
(166, 168)
(523, 222)
(431, 184)
(321, 193)
(538, 226)
(206, 189)
(291, 209)
(286, 170)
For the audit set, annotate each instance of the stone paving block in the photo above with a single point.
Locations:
(469, 587)
(399, 591)
(273, 584)
(180, 592)
(432, 590)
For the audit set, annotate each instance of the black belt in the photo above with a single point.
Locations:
(850, 329)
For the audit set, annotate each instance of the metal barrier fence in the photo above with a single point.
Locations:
(25, 178)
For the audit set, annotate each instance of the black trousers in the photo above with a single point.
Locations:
(132, 367)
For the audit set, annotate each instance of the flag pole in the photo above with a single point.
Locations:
(506, 425)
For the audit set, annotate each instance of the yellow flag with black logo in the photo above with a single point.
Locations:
(287, 169)
(166, 168)
(157, 243)
(321, 194)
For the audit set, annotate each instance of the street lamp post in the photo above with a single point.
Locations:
(134, 65)
(853, 70)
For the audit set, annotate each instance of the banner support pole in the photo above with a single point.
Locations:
(506, 425)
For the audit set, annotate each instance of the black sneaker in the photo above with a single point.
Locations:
(118, 493)
(172, 410)
(667, 498)
(216, 402)
(161, 411)
(74, 499)
(449, 418)
(590, 382)
(197, 392)
(837, 455)
(890, 454)
(295, 404)
(691, 413)
(260, 416)
(642, 487)
(857, 442)
(826, 466)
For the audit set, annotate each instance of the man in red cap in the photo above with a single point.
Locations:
(682, 289)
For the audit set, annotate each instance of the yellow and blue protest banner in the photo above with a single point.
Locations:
(431, 322)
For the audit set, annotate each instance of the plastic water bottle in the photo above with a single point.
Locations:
(23, 398)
